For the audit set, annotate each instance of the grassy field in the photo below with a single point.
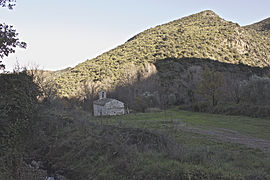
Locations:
(232, 160)
(257, 127)
(159, 145)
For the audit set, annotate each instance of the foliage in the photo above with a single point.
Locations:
(46, 85)
(7, 3)
(8, 35)
(200, 36)
(141, 103)
(246, 109)
(256, 90)
(146, 146)
(210, 85)
(18, 103)
(8, 41)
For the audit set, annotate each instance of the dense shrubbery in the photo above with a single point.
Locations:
(254, 100)
(256, 90)
(18, 104)
(242, 109)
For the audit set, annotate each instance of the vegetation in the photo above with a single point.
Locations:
(256, 90)
(210, 85)
(147, 146)
(7, 3)
(18, 105)
(8, 35)
(262, 27)
(200, 62)
(200, 36)
(158, 145)
(165, 66)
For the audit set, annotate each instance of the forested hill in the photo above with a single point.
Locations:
(200, 36)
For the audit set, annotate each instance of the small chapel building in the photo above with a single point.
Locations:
(107, 107)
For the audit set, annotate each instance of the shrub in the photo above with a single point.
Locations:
(243, 109)
(18, 103)
(199, 107)
(140, 104)
(256, 90)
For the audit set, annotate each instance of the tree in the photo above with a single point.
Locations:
(45, 82)
(7, 3)
(210, 85)
(18, 105)
(8, 35)
(190, 80)
(232, 88)
(255, 90)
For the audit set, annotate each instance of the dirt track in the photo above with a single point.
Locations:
(229, 136)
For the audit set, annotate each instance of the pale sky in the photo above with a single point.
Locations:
(63, 33)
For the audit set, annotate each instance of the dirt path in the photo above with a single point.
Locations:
(228, 136)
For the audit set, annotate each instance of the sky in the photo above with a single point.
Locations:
(64, 33)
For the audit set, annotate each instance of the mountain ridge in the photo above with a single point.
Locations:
(201, 35)
(262, 26)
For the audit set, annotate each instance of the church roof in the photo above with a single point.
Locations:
(103, 101)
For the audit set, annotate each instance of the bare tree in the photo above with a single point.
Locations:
(46, 82)
(210, 85)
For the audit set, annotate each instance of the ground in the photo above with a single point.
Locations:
(227, 135)
(171, 144)
(235, 143)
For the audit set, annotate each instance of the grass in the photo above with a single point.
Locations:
(256, 127)
(147, 146)
(201, 152)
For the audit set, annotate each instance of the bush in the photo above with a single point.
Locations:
(243, 109)
(143, 102)
(199, 107)
(256, 90)
(18, 104)
(140, 104)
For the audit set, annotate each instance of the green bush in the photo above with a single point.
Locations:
(18, 104)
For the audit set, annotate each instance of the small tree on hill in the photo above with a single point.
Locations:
(210, 85)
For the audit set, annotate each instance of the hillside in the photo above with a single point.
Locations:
(201, 36)
(262, 26)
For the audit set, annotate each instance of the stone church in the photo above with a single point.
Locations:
(107, 107)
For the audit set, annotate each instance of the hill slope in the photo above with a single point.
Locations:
(262, 26)
(202, 36)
